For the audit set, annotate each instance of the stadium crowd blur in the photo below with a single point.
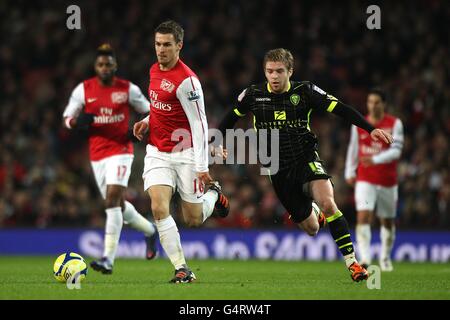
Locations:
(45, 174)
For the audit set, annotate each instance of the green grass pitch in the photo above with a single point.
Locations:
(32, 278)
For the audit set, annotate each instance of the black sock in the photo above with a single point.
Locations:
(340, 232)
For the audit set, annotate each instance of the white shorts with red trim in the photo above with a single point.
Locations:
(114, 170)
(372, 197)
(175, 169)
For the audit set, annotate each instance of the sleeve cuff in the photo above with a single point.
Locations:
(236, 111)
(376, 160)
(201, 170)
(349, 176)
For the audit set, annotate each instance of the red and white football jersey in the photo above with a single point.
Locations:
(384, 156)
(111, 107)
(177, 117)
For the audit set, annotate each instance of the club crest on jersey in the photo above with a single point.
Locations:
(166, 85)
(119, 97)
(194, 95)
(295, 99)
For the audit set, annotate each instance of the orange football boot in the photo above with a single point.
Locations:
(358, 272)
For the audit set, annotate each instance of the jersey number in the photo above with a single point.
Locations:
(316, 167)
(201, 187)
(121, 171)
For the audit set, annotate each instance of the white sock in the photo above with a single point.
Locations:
(209, 200)
(350, 259)
(387, 237)
(363, 237)
(114, 221)
(136, 220)
(170, 241)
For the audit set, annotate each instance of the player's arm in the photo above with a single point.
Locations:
(229, 121)
(137, 100)
(73, 115)
(393, 152)
(351, 160)
(191, 97)
(236, 113)
(141, 105)
(323, 101)
(141, 127)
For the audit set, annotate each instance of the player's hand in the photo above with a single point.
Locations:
(84, 120)
(351, 181)
(220, 152)
(366, 161)
(224, 153)
(204, 177)
(378, 134)
(139, 129)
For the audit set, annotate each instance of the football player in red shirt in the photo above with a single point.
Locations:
(102, 105)
(371, 166)
(177, 149)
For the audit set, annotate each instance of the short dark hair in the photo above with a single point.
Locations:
(379, 92)
(171, 27)
(105, 50)
(279, 55)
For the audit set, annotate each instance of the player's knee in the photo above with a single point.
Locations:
(159, 210)
(327, 206)
(114, 198)
(193, 222)
(387, 223)
(112, 202)
(363, 218)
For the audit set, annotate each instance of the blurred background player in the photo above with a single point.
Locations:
(287, 105)
(371, 167)
(101, 105)
(177, 149)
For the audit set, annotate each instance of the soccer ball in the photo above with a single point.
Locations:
(70, 265)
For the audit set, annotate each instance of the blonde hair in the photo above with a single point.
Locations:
(279, 54)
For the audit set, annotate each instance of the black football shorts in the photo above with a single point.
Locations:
(291, 185)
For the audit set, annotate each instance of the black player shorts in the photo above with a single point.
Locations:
(290, 185)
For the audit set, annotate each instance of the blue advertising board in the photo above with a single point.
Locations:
(222, 244)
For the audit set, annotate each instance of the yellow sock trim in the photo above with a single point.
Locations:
(346, 245)
(347, 235)
(338, 214)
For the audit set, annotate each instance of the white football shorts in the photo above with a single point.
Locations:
(174, 169)
(114, 170)
(372, 197)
